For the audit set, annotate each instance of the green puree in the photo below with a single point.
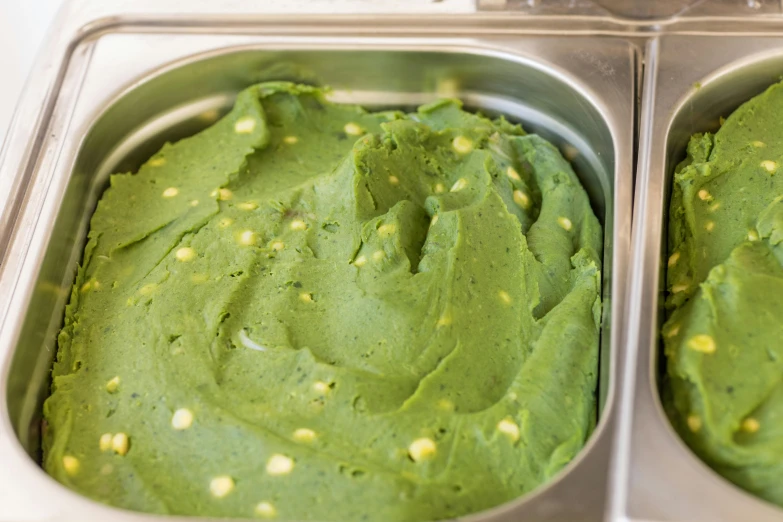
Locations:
(724, 335)
(309, 311)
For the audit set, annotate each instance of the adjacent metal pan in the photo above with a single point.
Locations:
(690, 82)
(123, 93)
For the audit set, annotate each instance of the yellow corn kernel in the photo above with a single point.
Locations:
(185, 254)
(446, 405)
(521, 199)
(321, 387)
(221, 486)
(71, 465)
(769, 166)
(444, 320)
(304, 435)
(247, 238)
(104, 443)
(248, 205)
(266, 510)
(694, 423)
(462, 144)
(673, 331)
(113, 384)
(460, 184)
(751, 425)
(387, 230)
(245, 125)
(279, 465)
(120, 443)
(352, 129)
(298, 224)
(182, 419)
(422, 449)
(509, 428)
(702, 343)
(564, 223)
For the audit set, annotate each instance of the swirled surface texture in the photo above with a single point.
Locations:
(310, 311)
(724, 334)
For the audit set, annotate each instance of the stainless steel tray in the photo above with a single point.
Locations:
(123, 87)
(690, 81)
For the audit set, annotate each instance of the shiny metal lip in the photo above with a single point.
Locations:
(656, 477)
(602, 80)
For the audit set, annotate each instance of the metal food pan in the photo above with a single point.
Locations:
(124, 93)
(691, 81)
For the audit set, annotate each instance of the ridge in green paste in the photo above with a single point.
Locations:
(310, 311)
(724, 388)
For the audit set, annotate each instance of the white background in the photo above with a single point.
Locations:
(23, 25)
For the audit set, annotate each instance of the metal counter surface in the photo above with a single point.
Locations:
(67, 138)
(635, 467)
(691, 81)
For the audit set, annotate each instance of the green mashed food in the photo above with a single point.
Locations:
(724, 335)
(310, 311)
